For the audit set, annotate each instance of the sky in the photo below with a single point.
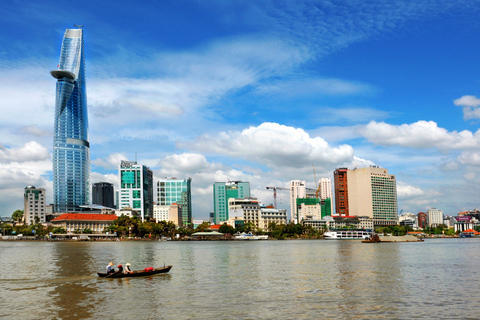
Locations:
(256, 91)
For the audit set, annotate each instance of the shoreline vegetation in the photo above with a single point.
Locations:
(132, 229)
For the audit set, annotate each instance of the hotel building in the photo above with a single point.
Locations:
(372, 192)
(341, 191)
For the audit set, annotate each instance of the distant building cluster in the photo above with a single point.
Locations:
(362, 198)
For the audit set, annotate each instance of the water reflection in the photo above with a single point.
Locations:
(74, 297)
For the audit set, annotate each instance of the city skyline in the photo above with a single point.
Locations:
(253, 92)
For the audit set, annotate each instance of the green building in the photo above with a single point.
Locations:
(136, 188)
(326, 206)
(222, 191)
(173, 190)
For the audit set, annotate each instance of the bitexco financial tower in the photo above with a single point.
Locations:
(71, 149)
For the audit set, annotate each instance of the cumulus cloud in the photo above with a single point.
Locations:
(408, 192)
(272, 144)
(471, 158)
(421, 134)
(111, 162)
(470, 106)
(31, 151)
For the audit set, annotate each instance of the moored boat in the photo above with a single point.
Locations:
(348, 235)
(249, 236)
(136, 273)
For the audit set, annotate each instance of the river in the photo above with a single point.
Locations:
(302, 279)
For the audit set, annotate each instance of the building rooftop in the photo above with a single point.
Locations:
(86, 216)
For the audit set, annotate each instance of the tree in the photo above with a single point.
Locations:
(17, 215)
(59, 230)
(87, 231)
(203, 227)
(226, 229)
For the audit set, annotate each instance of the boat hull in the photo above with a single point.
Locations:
(136, 273)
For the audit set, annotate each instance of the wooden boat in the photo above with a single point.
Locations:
(136, 273)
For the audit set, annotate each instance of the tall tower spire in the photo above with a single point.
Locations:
(71, 148)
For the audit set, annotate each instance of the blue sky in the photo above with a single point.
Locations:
(255, 91)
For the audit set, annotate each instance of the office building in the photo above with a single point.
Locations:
(34, 205)
(297, 190)
(435, 217)
(136, 188)
(341, 191)
(175, 191)
(222, 191)
(102, 194)
(372, 192)
(71, 148)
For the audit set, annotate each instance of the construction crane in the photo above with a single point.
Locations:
(275, 194)
(317, 184)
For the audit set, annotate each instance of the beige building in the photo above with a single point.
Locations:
(167, 213)
(249, 210)
(34, 205)
(73, 222)
(372, 192)
(435, 217)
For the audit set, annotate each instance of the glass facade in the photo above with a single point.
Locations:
(71, 149)
(136, 188)
(222, 191)
(170, 191)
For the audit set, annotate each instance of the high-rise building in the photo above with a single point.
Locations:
(102, 194)
(326, 193)
(34, 205)
(136, 188)
(71, 148)
(372, 192)
(297, 190)
(222, 191)
(175, 191)
(325, 188)
(341, 191)
(435, 217)
(422, 219)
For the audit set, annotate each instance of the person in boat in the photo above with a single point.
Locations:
(120, 269)
(110, 268)
(127, 269)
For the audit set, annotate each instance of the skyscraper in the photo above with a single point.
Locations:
(372, 192)
(341, 191)
(71, 149)
(222, 191)
(102, 194)
(297, 190)
(136, 188)
(173, 190)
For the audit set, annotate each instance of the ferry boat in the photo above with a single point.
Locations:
(348, 235)
(249, 236)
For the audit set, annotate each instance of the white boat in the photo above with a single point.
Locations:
(348, 235)
(249, 236)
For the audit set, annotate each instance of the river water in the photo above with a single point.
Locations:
(302, 279)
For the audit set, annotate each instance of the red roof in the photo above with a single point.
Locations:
(215, 227)
(86, 216)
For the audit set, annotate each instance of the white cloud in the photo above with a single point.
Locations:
(31, 151)
(274, 145)
(112, 161)
(470, 106)
(469, 158)
(407, 192)
(421, 134)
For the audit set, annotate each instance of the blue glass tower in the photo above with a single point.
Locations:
(71, 149)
